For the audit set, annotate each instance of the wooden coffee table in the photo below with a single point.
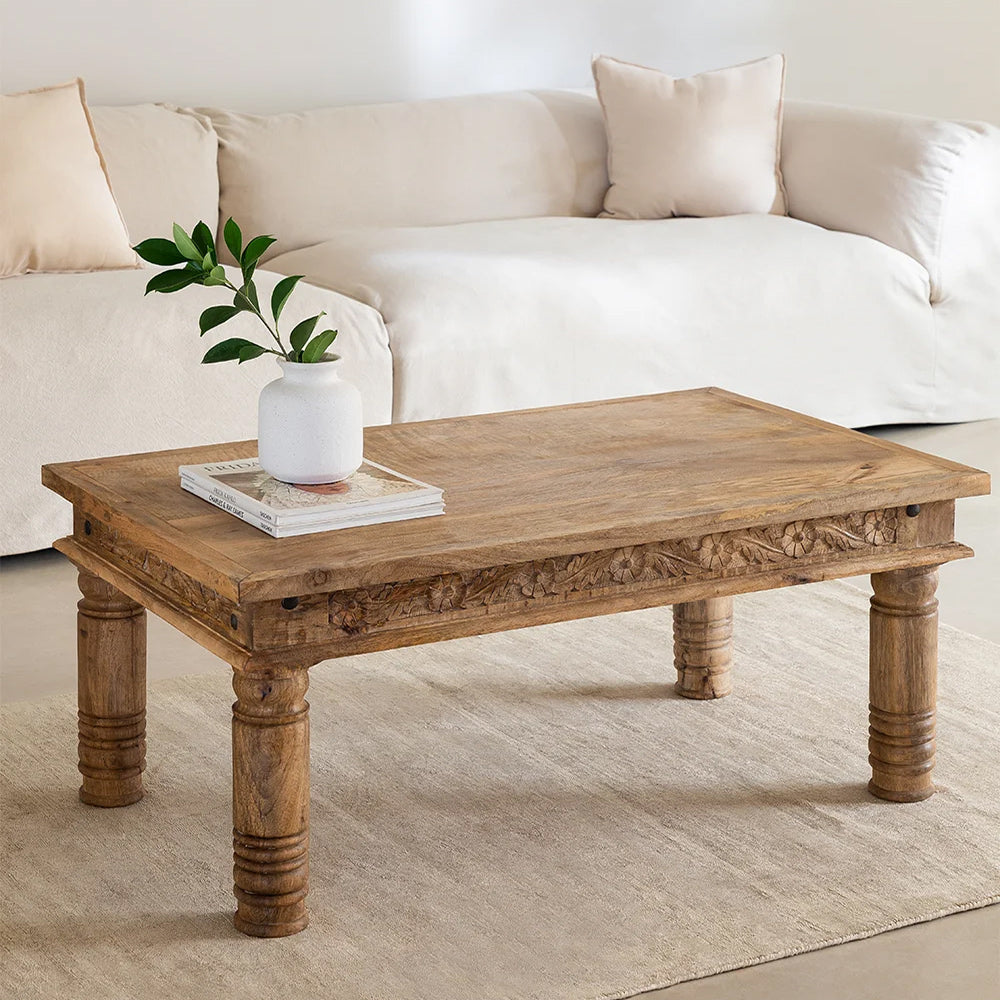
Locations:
(686, 499)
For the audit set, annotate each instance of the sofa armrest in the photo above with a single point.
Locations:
(927, 187)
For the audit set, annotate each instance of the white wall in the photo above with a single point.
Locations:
(932, 57)
(938, 57)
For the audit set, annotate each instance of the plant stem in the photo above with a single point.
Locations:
(260, 316)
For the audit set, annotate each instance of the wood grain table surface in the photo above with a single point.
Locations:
(685, 498)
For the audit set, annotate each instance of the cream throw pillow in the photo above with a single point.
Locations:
(703, 145)
(57, 212)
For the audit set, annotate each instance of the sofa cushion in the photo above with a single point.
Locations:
(703, 145)
(57, 212)
(163, 163)
(500, 315)
(928, 187)
(126, 377)
(304, 176)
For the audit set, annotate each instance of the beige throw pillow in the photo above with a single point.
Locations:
(57, 212)
(703, 145)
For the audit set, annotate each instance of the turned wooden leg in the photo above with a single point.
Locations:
(111, 690)
(903, 683)
(703, 647)
(271, 801)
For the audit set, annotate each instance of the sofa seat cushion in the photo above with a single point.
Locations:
(91, 368)
(502, 315)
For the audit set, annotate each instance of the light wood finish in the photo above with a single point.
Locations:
(111, 664)
(522, 486)
(271, 801)
(164, 605)
(703, 647)
(310, 643)
(903, 683)
(686, 499)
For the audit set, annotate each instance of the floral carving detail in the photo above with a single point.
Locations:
(540, 581)
(446, 593)
(798, 539)
(724, 554)
(879, 526)
(111, 543)
(349, 616)
(714, 551)
(628, 565)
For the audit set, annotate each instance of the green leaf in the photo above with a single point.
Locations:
(241, 302)
(251, 352)
(252, 252)
(298, 337)
(207, 263)
(202, 238)
(215, 316)
(172, 281)
(282, 290)
(228, 350)
(316, 347)
(186, 245)
(250, 291)
(159, 251)
(217, 276)
(233, 237)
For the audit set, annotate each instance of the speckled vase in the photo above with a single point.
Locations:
(309, 425)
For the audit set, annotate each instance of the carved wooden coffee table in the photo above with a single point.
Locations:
(686, 499)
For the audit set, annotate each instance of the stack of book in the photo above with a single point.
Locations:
(373, 495)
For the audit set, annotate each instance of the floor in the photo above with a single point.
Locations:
(955, 958)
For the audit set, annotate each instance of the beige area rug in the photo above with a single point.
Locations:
(528, 815)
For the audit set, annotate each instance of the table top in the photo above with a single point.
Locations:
(525, 485)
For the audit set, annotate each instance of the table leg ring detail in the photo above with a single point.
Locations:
(703, 648)
(901, 753)
(271, 881)
(112, 753)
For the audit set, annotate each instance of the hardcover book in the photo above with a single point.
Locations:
(372, 495)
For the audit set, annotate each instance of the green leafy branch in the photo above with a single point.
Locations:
(197, 253)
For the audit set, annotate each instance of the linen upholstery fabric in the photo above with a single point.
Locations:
(901, 179)
(705, 145)
(931, 189)
(57, 212)
(532, 312)
(163, 164)
(126, 377)
(305, 176)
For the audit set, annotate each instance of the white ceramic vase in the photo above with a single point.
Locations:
(309, 426)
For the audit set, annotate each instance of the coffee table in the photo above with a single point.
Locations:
(685, 498)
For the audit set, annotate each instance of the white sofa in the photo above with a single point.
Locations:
(454, 244)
